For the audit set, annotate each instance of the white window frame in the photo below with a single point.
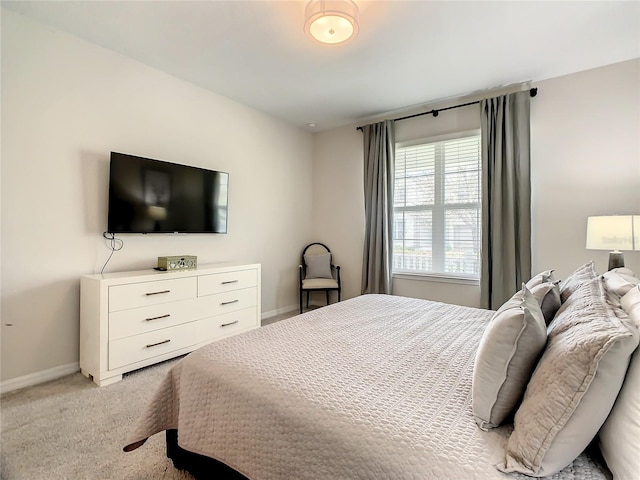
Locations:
(434, 276)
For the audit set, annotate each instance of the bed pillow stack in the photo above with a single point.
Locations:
(509, 350)
(575, 384)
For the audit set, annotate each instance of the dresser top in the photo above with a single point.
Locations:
(152, 274)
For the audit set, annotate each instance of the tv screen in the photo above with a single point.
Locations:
(152, 196)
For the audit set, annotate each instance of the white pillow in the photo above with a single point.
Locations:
(631, 304)
(508, 352)
(618, 283)
(619, 437)
(318, 266)
(624, 271)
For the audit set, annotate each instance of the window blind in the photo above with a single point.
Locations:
(437, 207)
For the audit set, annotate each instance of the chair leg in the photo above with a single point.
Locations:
(327, 292)
(301, 300)
(338, 295)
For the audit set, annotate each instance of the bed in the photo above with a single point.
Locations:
(374, 387)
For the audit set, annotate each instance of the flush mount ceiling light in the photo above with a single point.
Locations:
(331, 21)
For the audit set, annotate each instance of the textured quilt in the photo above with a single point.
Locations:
(376, 387)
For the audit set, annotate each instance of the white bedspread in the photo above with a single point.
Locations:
(376, 387)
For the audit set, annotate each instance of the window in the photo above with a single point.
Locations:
(436, 223)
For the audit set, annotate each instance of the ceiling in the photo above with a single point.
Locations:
(408, 53)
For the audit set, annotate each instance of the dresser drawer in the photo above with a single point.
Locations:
(135, 321)
(226, 302)
(134, 295)
(126, 351)
(224, 282)
(228, 324)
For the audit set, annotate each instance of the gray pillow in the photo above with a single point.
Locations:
(630, 303)
(542, 277)
(574, 385)
(318, 266)
(548, 296)
(508, 352)
(580, 276)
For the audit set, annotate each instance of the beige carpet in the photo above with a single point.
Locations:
(72, 429)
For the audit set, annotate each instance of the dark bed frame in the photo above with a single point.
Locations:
(207, 468)
(200, 466)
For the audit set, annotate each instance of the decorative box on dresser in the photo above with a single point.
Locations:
(130, 320)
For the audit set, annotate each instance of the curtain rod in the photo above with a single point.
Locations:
(532, 92)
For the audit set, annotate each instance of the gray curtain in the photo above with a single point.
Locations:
(379, 154)
(506, 197)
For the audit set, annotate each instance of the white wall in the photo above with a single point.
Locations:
(585, 161)
(585, 147)
(338, 202)
(65, 105)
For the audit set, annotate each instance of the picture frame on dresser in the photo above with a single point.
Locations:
(130, 320)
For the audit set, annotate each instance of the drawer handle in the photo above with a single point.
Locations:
(159, 343)
(158, 318)
(229, 303)
(228, 324)
(229, 281)
(157, 293)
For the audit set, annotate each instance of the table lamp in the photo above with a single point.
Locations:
(614, 233)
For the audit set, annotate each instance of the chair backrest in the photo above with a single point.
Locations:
(315, 248)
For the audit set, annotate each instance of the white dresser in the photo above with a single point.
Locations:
(129, 320)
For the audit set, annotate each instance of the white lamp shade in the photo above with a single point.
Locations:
(331, 21)
(636, 232)
(614, 232)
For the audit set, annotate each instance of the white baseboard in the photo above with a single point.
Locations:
(279, 311)
(39, 377)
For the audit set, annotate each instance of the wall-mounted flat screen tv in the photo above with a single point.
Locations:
(152, 196)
